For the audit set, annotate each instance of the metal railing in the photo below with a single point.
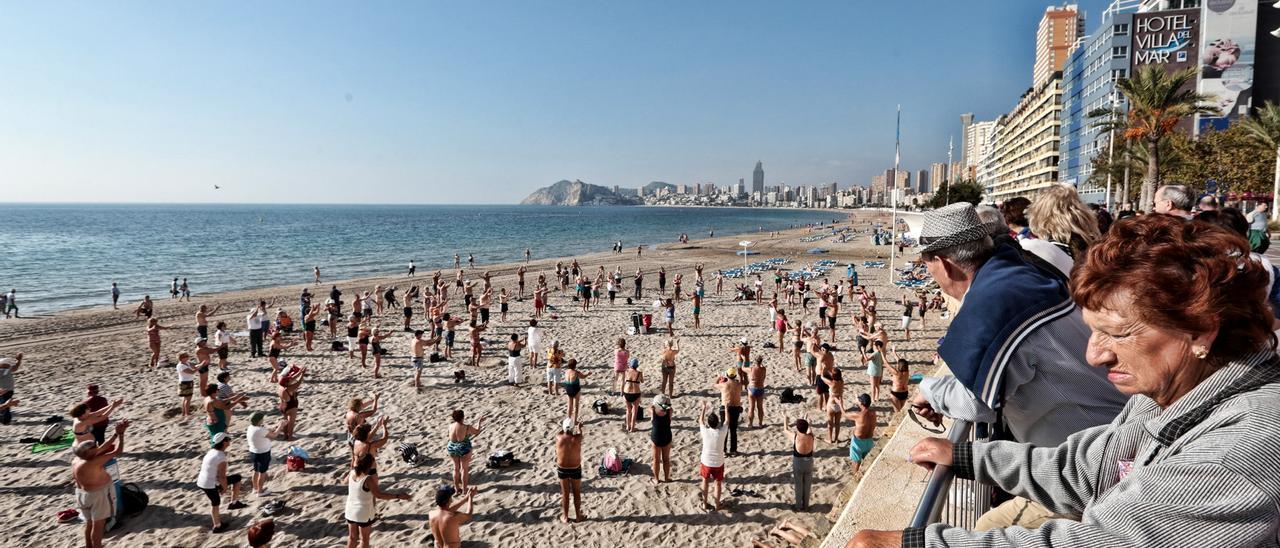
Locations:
(952, 500)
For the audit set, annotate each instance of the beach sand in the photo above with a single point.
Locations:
(516, 506)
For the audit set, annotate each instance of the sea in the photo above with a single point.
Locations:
(65, 256)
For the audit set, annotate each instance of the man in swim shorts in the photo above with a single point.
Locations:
(569, 467)
(864, 427)
(95, 492)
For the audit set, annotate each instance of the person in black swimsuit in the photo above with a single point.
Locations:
(631, 382)
(572, 386)
(660, 435)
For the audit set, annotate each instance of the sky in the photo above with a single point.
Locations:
(483, 102)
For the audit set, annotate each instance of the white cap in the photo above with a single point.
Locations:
(743, 340)
(218, 438)
(567, 424)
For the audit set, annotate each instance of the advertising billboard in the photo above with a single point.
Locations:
(1227, 46)
(1168, 38)
(1266, 67)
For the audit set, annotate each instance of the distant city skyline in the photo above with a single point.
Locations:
(458, 103)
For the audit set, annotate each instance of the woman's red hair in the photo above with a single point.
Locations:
(1184, 276)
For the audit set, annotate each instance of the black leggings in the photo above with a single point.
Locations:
(731, 413)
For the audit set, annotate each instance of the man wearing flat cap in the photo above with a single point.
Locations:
(1016, 347)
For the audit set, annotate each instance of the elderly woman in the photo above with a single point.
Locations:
(1179, 322)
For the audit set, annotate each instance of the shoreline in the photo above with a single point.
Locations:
(159, 293)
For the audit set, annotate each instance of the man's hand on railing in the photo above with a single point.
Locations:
(930, 452)
(867, 538)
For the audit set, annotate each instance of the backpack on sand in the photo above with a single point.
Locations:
(53, 433)
(133, 499)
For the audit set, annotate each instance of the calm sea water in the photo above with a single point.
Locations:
(66, 256)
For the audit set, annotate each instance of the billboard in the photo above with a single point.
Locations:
(1266, 67)
(1168, 38)
(1227, 46)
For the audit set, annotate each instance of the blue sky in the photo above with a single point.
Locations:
(482, 102)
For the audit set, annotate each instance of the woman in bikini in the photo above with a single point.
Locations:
(363, 336)
(632, 380)
(273, 354)
(572, 386)
(797, 342)
(309, 326)
(459, 447)
(83, 420)
(376, 337)
(363, 442)
(668, 360)
(835, 404)
(780, 325)
(289, 383)
(153, 339)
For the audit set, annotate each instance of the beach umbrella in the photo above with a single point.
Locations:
(745, 244)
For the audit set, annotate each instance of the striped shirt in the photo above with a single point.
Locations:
(1049, 391)
(1204, 472)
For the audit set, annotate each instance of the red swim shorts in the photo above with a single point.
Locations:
(713, 472)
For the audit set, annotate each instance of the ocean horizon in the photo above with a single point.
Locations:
(63, 256)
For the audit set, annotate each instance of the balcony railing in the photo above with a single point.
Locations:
(951, 500)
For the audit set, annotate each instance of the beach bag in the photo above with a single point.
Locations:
(789, 396)
(296, 459)
(435, 357)
(502, 459)
(610, 462)
(53, 433)
(409, 452)
(337, 346)
(459, 376)
(601, 407)
(133, 499)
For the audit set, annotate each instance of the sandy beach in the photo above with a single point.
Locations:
(516, 506)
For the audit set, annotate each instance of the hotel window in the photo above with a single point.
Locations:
(1119, 52)
(1117, 74)
(1121, 30)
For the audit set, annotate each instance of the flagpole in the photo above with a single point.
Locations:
(893, 188)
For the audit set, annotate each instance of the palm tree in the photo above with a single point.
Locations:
(1264, 131)
(1158, 100)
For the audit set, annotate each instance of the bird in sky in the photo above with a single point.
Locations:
(216, 187)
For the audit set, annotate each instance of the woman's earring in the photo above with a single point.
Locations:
(1200, 352)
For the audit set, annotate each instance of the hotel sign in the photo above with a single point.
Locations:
(1167, 38)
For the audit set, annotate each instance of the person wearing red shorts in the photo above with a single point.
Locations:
(713, 431)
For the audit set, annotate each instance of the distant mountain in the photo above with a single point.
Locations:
(651, 188)
(577, 193)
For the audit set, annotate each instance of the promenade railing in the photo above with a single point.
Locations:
(951, 500)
